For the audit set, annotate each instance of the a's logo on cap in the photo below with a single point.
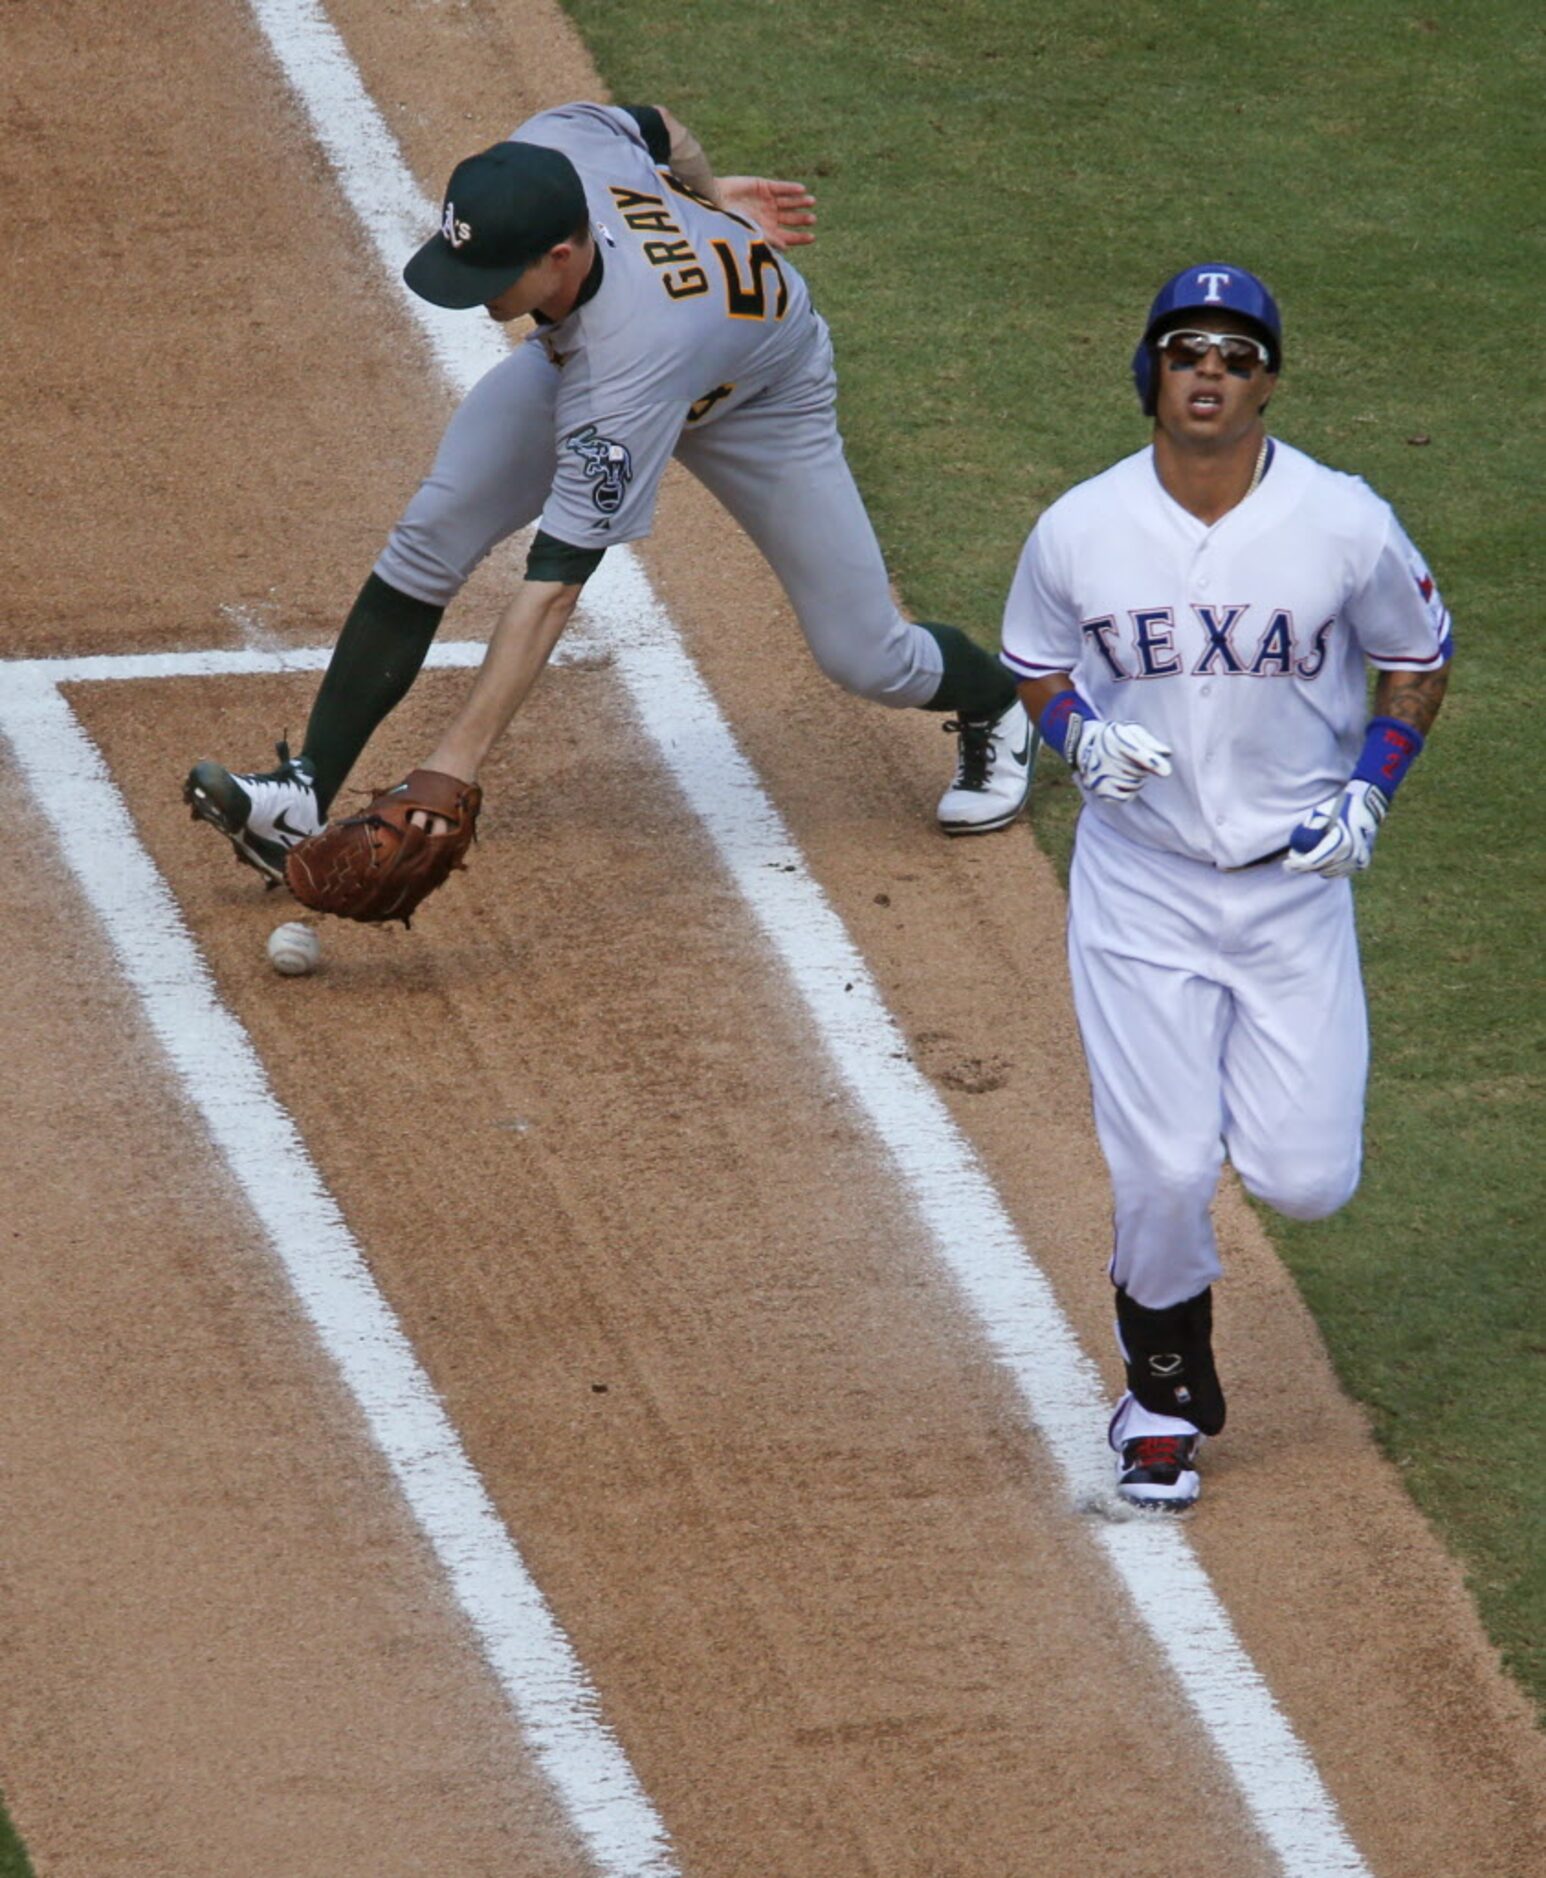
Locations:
(454, 231)
(1213, 282)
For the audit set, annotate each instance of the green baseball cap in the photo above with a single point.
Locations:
(504, 209)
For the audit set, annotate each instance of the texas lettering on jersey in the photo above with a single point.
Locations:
(1232, 646)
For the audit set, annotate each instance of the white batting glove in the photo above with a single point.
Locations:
(1114, 761)
(1337, 837)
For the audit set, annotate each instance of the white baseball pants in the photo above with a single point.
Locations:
(1221, 1012)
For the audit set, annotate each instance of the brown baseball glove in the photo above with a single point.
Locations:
(377, 865)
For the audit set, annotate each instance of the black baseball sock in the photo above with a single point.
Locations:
(1169, 1356)
(974, 683)
(378, 656)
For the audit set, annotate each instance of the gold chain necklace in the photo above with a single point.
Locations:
(1261, 467)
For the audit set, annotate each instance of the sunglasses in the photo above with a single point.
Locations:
(1186, 348)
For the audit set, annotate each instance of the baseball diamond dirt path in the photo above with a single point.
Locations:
(690, 1327)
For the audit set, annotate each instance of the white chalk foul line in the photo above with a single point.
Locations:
(1167, 1585)
(555, 1704)
(240, 662)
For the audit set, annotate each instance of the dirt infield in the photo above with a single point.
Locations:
(697, 1344)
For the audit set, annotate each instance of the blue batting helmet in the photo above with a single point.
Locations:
(1198, 290)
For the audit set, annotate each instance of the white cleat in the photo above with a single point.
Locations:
(993, 772)
(263, 816)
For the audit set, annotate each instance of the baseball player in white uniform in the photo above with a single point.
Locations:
(1191, 629)
(669, 323)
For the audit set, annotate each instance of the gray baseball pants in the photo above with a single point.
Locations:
(776, 463)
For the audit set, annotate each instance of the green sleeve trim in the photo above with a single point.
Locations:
(557, 560)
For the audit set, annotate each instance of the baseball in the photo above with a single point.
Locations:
(294, 949)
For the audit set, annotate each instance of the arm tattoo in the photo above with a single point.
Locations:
(1411, 697)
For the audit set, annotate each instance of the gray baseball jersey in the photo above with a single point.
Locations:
(700, 342)
(695, 315)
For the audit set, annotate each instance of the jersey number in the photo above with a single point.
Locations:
(748, 299)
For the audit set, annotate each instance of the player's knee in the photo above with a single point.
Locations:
(1182, 1180)
(1166, 1200)
(852, 667)
(416, 561)
(1312, 1191)
(871, 657)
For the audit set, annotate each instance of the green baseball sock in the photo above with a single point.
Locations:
(974, 684)
(378, 656)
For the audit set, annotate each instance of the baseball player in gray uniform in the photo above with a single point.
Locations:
(669, 322)
(1192, 630)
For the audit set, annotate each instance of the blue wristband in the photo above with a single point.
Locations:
(1390, 748)
(1053, 722)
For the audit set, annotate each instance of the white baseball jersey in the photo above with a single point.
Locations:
(695, 315)
(1240, 645)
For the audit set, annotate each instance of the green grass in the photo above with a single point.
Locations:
(13, 1857)
(1002, 187)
